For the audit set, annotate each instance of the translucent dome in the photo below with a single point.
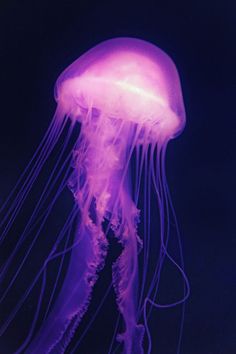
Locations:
(124, 78)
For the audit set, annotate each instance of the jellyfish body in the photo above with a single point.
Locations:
(126, 95)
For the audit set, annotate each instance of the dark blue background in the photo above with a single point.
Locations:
(38, 39)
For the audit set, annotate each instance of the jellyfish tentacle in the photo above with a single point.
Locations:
(46, 191)
(41, 273)
(86, 260)
(30, 177)
(125, 280)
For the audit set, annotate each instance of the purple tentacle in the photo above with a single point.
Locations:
(87, 259)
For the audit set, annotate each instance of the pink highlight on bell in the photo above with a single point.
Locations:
(125, 93)
(127, 79)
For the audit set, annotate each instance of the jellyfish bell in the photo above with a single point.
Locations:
(126, 95)
(128, 79)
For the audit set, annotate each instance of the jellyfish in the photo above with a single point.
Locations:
(125, 96)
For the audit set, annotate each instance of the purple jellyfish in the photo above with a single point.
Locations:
(125, 98)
